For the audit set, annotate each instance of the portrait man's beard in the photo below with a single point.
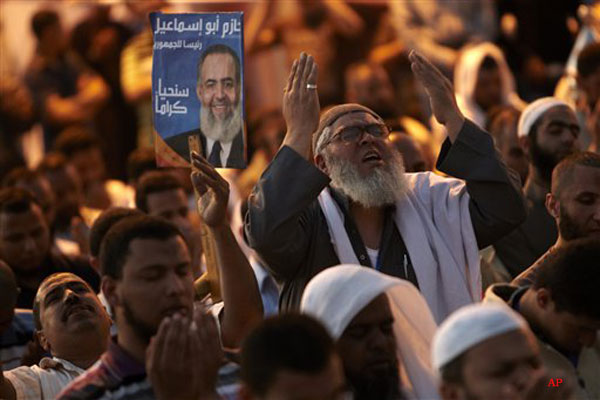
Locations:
(222, 130)
(545, 161)
(383, 186)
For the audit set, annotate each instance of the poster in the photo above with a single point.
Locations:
(197, 87)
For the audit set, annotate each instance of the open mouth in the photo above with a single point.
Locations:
(372, 156)
(78, 309)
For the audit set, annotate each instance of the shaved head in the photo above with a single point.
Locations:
(562, 175)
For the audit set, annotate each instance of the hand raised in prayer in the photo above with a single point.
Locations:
(440, 92)
(301, 105)
(213, 191)
(183, 358)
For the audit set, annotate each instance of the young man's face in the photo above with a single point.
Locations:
(219, 89)
(69, 308)
(24, 239)
(503, 367)
(488, 89)
(156, 282)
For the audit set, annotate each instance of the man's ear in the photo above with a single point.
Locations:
(109, 288)
(320, 163)
(43, 341)
(543, 299)
(450, 391)
(199, 91)
(525, 142)
(552, 205)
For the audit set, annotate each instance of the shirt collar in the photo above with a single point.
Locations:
(121, 362)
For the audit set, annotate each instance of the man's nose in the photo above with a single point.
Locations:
(30, 245)
(220, 90)
(70, 296)
(175, 284)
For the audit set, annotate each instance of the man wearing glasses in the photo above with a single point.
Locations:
(356, 204)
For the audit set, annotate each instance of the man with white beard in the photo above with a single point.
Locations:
(218, 89)
(356, 204)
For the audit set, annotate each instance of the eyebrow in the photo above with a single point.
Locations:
(61, 287)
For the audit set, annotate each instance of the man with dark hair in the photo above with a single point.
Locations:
(25, 246)
(221, 125)
(548, 131)
(38, 185)
(487, 352)
(66, 185)
(563, 309)
(288, 357)
(161, 194)
(64, 93)
(72, 326)
(573, 203)
(146, 257)
(83, 150)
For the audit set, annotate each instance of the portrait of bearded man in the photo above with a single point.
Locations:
(219, 91)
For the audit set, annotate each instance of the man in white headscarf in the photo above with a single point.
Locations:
(382, 327)
(482, 81)
(548, 131)
(488, 352)
(337, 192)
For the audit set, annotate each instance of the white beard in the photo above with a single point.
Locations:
(224, 131)
(384, 186)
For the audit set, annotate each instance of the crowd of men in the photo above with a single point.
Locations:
(376, 247)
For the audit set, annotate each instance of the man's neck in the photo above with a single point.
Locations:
(90, 347)
(369, 222)
(131, 343)
(537, 182)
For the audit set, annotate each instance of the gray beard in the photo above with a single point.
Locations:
(384, 186)
(224, 131)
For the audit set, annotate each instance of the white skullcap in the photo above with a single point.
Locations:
(470, 326)
(533, 111)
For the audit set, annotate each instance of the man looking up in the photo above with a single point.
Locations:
(219, 91)
(291, 356)
(562, 308)
(548, 131)
(574, 203)
(356, 205)
(25, 246)
(72, 326)
(487, 352)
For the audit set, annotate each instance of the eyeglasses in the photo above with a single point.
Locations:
(354, 134)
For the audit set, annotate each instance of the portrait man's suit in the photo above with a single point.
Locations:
(179, 143)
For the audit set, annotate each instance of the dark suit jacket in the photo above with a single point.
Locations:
(179, 143)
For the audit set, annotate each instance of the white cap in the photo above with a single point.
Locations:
(533, 111)
(470, 326)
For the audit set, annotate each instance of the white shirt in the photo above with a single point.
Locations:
(373, 254)
(225, 150)
(43, 382)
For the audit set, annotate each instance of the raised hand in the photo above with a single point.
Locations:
(213, 191)
(440, 92)
(301, 105)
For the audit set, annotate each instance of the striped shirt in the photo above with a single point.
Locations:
(117, 375)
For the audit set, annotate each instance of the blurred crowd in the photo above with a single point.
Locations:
(419, 217)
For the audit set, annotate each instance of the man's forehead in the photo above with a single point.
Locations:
(218, 65)
(59, 281)
(356, 118)
(377, 311)
(582, 178)
(166, 198)
(144, 252)
(22, 221)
